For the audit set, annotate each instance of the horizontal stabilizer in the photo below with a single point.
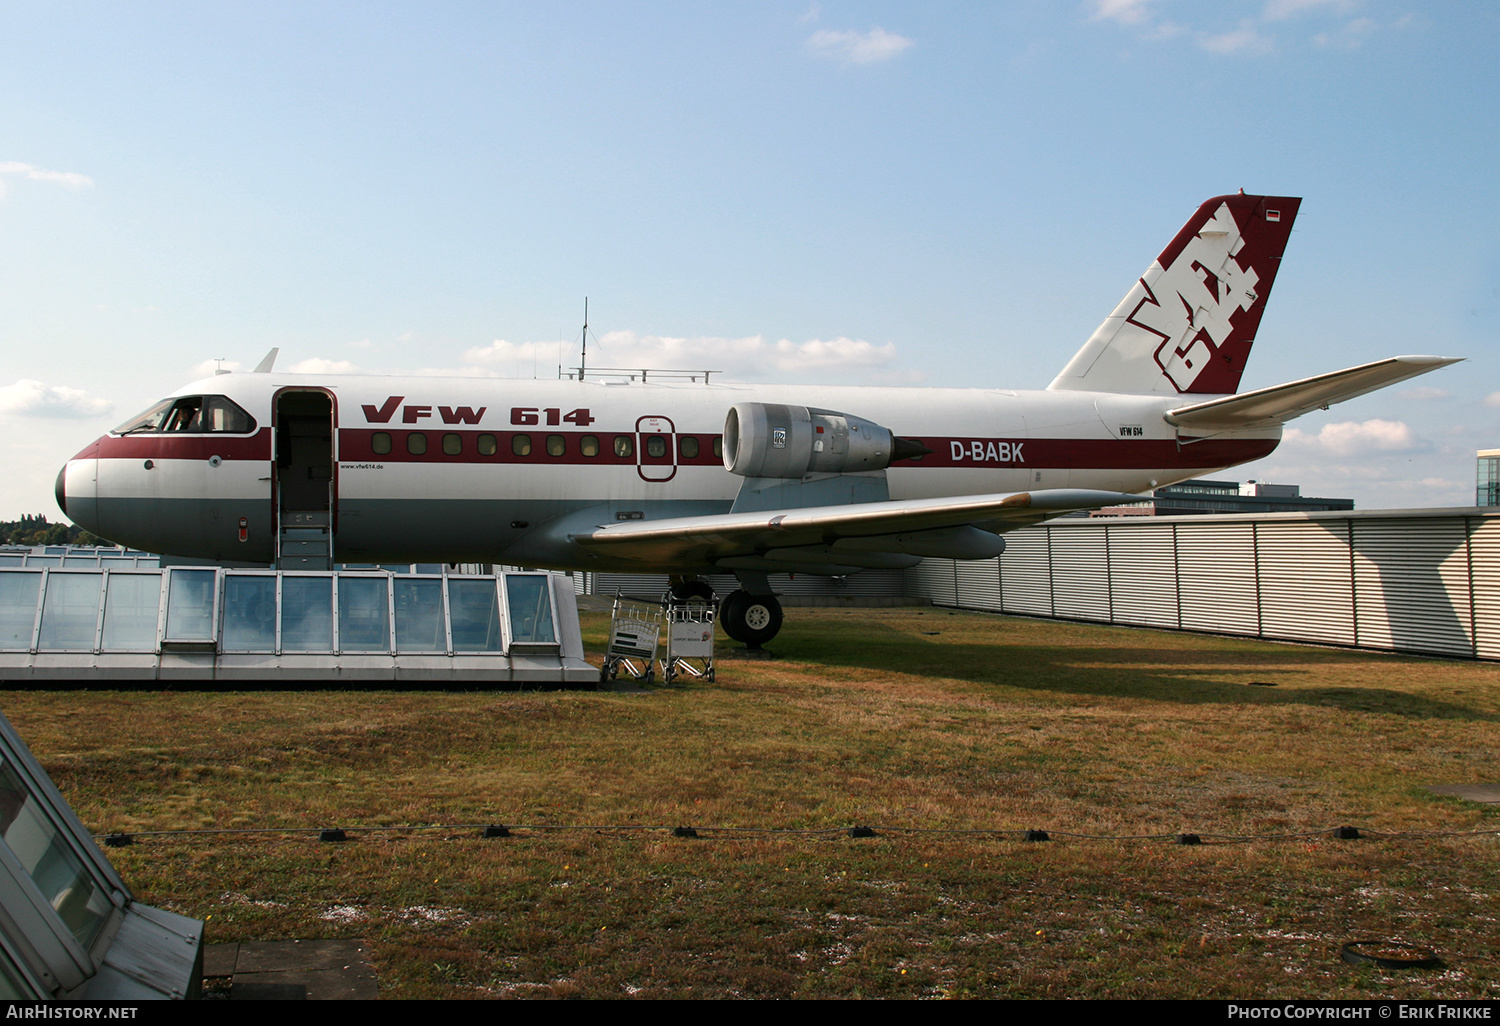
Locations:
(711, 539)
(1265, 407)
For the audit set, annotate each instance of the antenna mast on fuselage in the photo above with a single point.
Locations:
(583, 363)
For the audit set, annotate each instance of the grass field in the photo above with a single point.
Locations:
(934, 727)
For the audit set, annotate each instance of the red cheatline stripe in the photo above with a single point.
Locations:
(987, 453)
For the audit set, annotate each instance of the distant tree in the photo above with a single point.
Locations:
(37, 530)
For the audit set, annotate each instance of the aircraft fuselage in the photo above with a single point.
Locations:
(418, 469)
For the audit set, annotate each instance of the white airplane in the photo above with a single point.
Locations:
(688, 478)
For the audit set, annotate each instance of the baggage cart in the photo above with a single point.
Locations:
(634, 630)
(690, 641)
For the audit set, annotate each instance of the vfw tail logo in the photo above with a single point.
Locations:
(1185, 309)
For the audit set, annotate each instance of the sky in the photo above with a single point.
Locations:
(865, 193)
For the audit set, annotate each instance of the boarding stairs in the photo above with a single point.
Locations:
(305, 540)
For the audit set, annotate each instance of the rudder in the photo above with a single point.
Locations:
(1188, 323)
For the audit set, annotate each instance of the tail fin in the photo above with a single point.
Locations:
(1188, 323)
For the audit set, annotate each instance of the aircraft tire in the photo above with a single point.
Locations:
(751, 619)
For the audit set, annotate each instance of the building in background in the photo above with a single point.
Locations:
(1487, 493)
(1204, 496)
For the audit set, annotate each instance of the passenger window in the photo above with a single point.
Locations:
(656, 446)
(624, 447)
(718, 447)
(556, 445)
(453, 444)
(687, 447)
(380, 443)
(416, 443)
(520, 445)
(486, 445)
(588, 445)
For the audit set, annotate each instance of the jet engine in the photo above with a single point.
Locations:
(772, 440)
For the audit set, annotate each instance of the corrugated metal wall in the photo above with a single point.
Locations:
(1025, 574)
(1484, 580)
(1306, 589)
(1216, 577)
(1412, 581)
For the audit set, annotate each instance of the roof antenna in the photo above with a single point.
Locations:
(583, 363)
(269, 361)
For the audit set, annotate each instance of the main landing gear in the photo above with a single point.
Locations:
(752, 619)
(749, 618)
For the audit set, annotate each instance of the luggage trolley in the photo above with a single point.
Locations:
(634, 629)
(690, 640)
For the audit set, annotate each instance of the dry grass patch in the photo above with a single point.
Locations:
(897, 718)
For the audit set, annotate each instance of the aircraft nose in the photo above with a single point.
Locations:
(77, 490)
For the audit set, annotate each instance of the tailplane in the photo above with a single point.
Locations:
(1188, 323)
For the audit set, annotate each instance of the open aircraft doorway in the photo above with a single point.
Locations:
(306, 478)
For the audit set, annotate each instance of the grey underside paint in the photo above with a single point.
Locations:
(482, 531)
(408, 530)
(202, 528)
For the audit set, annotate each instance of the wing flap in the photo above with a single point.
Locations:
(709, 540)
(1265, 407)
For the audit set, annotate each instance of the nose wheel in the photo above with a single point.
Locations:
(751, 619)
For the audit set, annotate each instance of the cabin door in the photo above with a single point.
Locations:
(656, 448)
(306, 479)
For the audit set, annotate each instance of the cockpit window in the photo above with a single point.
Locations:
(195, 414)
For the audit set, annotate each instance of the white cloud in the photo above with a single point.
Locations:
(1350, 36)
(752, 358)
(501, 351)
(1358, 438)
(1493, 399)
(1425, 392)
(1166, 30)
(1378, 481)
(1249, 37)
(869, 47)
(1246, 39)
(817, 354)
(519, 359)
(363, 343)
(35, 399)
(1281, 10)
(1126, 12)
(318, 365)
(812, 14)
(68, 179)
(744, 356)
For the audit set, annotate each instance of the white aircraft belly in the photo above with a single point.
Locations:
(169, 479)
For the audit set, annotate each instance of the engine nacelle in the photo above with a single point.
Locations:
(772, 440)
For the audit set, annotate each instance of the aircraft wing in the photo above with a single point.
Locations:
(840, 539)
(1280, 403)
